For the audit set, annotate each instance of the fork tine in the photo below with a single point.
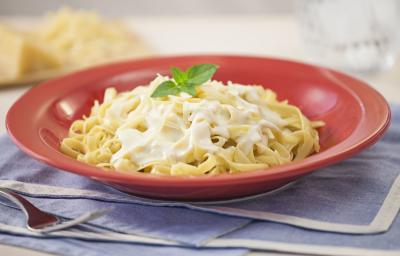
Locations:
(44, 222)
(35, 218)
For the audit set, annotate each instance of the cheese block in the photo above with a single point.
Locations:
(19, 55)
(63, 41)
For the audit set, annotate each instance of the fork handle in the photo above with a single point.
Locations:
(35, 217)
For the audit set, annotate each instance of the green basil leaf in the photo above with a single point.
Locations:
(179, 76)
(188, 88)
(166, 88)
(185, 81)
(200, 73)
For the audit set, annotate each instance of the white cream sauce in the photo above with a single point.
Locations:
(175, 127)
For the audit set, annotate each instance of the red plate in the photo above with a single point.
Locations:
(356, 116)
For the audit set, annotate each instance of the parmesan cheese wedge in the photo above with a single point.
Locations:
(20, 55)
(64, 41)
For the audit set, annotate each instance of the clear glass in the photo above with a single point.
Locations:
(357, 36)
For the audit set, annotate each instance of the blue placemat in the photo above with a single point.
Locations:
(286, 238)
(347, 197)
(360, 193)
(78, 247)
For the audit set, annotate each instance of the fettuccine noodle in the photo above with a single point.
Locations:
(225, 129)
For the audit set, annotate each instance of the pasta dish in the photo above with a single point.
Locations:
(210, 128)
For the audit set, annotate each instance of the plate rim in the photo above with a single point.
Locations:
(273, 173)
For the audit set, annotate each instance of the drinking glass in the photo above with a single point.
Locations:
(357, 36)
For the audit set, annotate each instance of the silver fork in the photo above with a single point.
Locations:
(44, 222)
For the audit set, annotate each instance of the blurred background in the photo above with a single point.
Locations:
(117, 8)
(360, 37)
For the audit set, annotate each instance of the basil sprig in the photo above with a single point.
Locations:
(185, 81)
